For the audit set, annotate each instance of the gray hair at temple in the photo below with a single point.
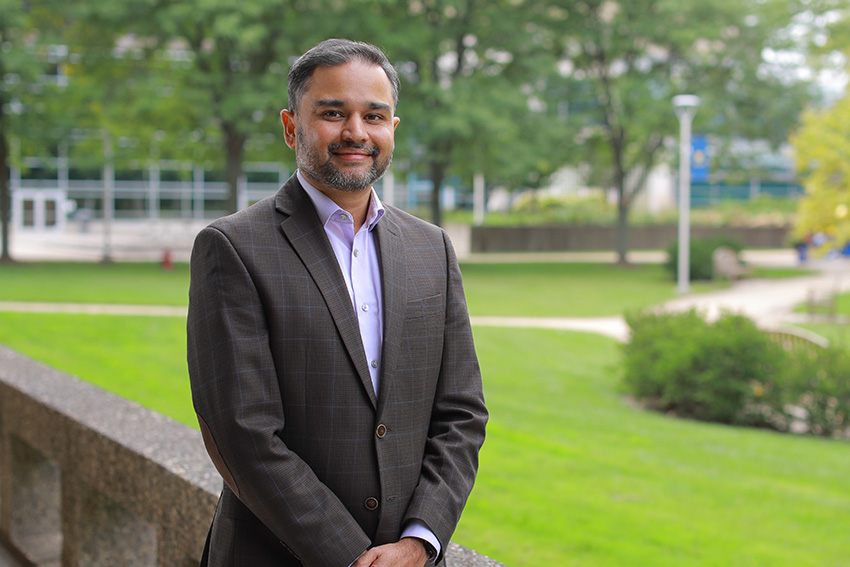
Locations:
(331, 53)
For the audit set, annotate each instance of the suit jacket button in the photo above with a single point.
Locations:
(381, 431)
(371, 503)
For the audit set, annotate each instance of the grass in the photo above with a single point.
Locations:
(571, 475)
(529, 289)
(546, 289)
(79, 282)
(566, 289)
(139, 358)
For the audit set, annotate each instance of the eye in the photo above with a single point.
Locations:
(375, 117)
(332, 114)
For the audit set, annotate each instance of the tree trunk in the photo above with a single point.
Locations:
(622, 221)
(234, 146)
(5, 193)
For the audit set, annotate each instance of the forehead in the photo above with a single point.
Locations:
(355, 83)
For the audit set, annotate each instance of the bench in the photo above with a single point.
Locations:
(791, 337)
(726, 264)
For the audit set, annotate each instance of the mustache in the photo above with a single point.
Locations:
(373, 151)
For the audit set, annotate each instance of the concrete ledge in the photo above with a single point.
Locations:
(88, 478)
(589, 237)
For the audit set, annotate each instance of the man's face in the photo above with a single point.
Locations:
(343, 130)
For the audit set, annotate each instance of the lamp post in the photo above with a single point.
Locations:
(686, 107)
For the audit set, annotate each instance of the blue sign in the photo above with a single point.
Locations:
(700, 162)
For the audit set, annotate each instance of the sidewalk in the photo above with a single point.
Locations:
(141, 240)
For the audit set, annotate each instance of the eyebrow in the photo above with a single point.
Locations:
(336, 103)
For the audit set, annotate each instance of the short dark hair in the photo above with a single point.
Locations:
(331, 53)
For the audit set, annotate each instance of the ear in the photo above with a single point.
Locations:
(396, 120)
(287, 118)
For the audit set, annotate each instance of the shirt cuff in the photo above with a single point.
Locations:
(418, 529)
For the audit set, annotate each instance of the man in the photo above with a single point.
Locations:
(331, 358)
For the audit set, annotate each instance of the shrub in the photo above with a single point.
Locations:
(701, 267)
(731, 372)
(679, 363)
(568, 209)
(816, 390)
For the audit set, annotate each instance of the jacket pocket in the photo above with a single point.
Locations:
(430, 306)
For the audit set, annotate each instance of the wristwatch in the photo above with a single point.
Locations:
(432, 553)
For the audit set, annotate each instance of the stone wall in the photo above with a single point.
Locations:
(569, 237)
(89, 479)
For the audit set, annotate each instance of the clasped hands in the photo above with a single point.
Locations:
(408, 552)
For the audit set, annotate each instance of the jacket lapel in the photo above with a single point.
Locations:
(394, 288)
(305, 233)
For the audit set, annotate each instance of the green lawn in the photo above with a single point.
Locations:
(528, 289)
(140, 358)
(83, 282)
(565, 289)
(571, 474)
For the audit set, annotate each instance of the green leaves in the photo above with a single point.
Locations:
(822, 146)
(512, 88)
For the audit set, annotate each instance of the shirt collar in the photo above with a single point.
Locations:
(327, 208)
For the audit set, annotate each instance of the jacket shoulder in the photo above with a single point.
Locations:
(409, 222)
(260, 211)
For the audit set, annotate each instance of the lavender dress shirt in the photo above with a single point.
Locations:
(357, 256)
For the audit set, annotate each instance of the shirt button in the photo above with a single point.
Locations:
(381, 431)
(365, 307)
(371, 503)
(374, 364)
(343, 217)
(356, 253)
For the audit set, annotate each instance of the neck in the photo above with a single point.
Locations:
(355, 202)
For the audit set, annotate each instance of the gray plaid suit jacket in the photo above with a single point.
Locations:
(316, 468)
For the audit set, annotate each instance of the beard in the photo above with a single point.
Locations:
(322, 169)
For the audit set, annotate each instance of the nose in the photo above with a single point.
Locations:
(354, 130)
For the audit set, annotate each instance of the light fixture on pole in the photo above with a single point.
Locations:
(686, 107)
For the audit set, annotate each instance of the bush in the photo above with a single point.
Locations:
(701, 266)
(566, 209)
(816, 390)
(731, 372)
(679, 363)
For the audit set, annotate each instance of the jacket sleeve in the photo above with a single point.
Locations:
(458, 420)
(237, 398)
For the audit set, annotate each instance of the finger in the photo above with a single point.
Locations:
(366, 558)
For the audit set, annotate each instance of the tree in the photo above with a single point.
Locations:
(822, 142)
(28, 42)
(624, 61)
(822, 145)
(233, 59)
(468, 70)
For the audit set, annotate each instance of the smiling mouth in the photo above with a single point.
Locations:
(353, 151)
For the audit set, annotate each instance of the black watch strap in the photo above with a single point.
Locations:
(432, 553)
